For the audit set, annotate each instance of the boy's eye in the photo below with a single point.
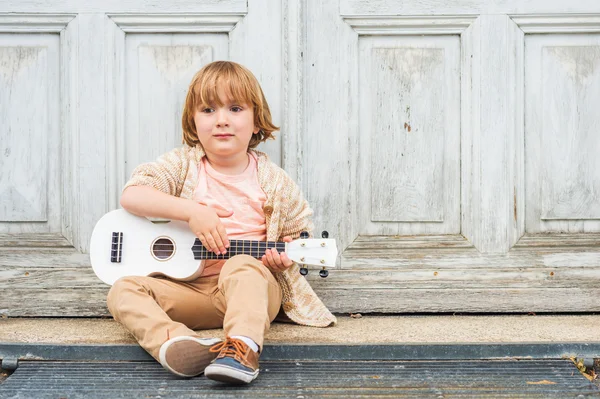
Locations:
(236, 108)
(207, 110)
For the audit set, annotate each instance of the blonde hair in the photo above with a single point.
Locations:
(240, 84)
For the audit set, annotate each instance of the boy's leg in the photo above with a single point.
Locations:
(156, 310)
(250, 298)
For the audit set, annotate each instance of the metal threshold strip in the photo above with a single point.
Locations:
(312, 371)
(307, 379)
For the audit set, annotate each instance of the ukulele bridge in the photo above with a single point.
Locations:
(116, 249)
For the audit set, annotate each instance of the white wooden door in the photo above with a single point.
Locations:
(88, 90)
(452, 147)
(449, 146)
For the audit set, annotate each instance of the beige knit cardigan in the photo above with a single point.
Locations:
(287, 213)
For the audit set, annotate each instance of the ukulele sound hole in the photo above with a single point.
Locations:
(163, 249)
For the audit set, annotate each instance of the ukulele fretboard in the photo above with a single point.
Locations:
(255, 249)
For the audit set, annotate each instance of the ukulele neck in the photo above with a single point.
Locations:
(256, 249)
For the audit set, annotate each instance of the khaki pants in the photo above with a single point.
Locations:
(243, 299)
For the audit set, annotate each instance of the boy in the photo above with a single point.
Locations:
(225, 190)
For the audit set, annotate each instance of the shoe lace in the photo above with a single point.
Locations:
(231, 347)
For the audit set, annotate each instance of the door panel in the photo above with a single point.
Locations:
(562, 125)
(409, 90)
(29, 134)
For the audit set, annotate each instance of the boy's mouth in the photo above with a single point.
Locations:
(223, 135)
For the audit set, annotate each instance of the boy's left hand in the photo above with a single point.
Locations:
(277, 262)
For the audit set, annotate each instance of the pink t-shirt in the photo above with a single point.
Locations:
(241, 194)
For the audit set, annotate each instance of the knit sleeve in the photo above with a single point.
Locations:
(166, 174)
(297, 214)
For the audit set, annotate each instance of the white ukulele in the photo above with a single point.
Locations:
(123, 244)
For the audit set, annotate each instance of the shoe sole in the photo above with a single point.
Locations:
(218, 372)
(187, 356)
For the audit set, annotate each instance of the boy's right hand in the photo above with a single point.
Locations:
(206, 225)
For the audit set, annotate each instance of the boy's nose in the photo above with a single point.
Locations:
(222, 118)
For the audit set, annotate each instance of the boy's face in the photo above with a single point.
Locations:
(225, 130)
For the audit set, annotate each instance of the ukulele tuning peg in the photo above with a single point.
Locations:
(304, 235)
(303, 270)
(324, 234)
(324, 273)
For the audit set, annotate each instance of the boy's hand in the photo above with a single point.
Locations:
(206, 225)
(277, 262)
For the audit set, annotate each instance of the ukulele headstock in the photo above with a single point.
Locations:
(314, 252)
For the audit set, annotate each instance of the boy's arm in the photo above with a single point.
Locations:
(149, 202)
(204, 222)
(154, 188)
(154, 191)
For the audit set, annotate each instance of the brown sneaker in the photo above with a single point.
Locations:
(236, 363)
(187, 356)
